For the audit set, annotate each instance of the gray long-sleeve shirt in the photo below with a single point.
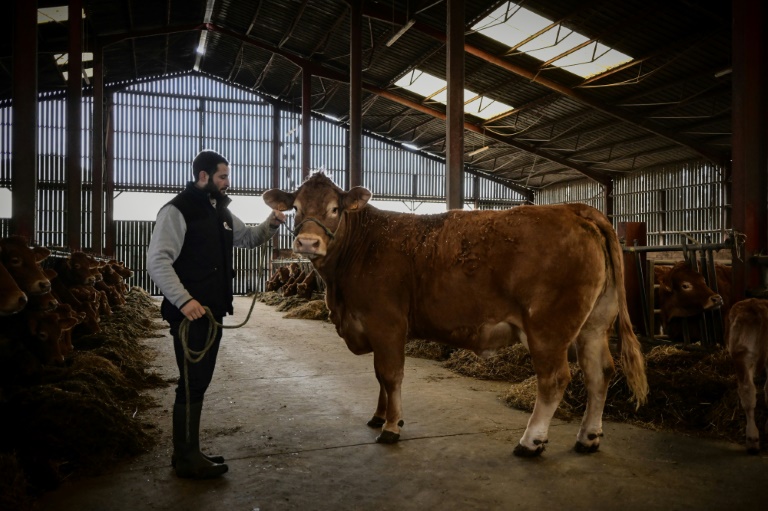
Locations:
(168, 238)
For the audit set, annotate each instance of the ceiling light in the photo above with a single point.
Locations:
(478, 150)
(723, 72)
(400, 32)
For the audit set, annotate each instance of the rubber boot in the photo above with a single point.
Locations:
(187, 458)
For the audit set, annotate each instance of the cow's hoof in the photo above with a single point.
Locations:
(523, 452)
(586, 449)
(387, 437)
(376, 422)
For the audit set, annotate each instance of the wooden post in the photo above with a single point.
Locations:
(631, 232)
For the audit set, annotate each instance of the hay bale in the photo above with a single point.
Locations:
(315, 309)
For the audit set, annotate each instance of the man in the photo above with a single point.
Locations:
(190, 260)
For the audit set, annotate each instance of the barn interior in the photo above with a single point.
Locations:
(652, 112)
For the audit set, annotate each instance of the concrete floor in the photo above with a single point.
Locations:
(288, 408)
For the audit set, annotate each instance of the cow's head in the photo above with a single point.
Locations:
(683, 292)
(83, 269)
(12, 298)
(320, 206)
(22, 263)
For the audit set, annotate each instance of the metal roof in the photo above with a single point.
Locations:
(671, 104)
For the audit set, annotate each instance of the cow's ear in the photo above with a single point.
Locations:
(41, 253)
(356, 198)
(278, 199)
(68, 323)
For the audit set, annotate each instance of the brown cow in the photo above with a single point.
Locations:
(748, 346)
(305, 288)
(12, 298)
(547, 276)
(22, 262)
(683, 293)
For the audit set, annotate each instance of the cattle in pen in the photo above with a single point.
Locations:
(547, 276)
(748, 347)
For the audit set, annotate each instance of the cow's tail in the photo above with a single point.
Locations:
(632, 359)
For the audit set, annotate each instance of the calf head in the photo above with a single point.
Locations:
(22, 262)
(12, 298)
(46, 327)
(683, 292)
(320, 206)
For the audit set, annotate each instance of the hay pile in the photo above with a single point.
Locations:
(692, 391)
(314, 309)
(296, 307)
(418, 348)
(80, 418)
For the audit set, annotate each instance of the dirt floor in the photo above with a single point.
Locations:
(288, 408)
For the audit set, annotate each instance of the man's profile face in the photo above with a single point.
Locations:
(218, 183)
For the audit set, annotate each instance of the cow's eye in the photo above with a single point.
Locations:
(335, 211)
(686, 286)
(15, 261)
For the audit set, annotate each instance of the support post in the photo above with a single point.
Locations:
(24, 128)
(454, 123)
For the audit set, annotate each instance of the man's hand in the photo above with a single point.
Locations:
(276, 218)
(193, 310)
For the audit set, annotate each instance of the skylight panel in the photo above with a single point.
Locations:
(53, 14)
(63, 58)
(543, 39)
(436, 89)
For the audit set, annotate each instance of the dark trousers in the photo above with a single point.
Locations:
(201, 373)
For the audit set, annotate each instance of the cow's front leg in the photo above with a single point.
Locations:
(379, 416)
(389, 364)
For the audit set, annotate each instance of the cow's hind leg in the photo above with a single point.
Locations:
(552, 377)
(745, 373)
(597, 367)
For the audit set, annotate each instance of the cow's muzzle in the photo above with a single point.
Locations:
(309, 245)
(714, 302)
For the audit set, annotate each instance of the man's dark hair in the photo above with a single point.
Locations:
(207, 160)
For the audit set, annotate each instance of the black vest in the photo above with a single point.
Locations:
(204, 265)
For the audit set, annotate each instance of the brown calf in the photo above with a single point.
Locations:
(748, 346)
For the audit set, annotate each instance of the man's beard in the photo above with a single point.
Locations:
(214, 191)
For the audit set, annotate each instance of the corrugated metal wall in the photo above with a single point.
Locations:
(160, 126)
(690, 199)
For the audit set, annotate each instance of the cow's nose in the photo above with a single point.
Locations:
(44, 286)
(716, 300)
(307, 244)
(22, 300)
